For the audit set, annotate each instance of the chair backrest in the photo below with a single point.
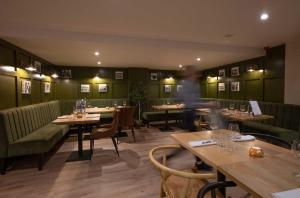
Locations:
(126, 116)
(166, 172)
(115, 122)
(271, 139)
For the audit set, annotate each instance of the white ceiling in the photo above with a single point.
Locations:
(141, 33)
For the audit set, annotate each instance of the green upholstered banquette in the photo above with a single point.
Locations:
(28, 130)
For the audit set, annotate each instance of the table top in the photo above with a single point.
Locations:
(168, 107)
(259, 176)
(70, 119)
(237, 115)
(100, 110)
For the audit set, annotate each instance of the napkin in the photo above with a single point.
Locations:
(242, 138)
(92, 116)
(294, 193)
(201, 143)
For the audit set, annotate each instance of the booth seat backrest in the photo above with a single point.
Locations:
(18, 122)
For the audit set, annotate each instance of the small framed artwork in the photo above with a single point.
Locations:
(235, 86)
(102, 88)
(235, 71)
(26, 87)
(66, 73)
(168, 88)
(154, 76)
(222, 73)
(38, 66)
(119, 75)
(221, 86)
(179, 88)
(85, 88)
(47, 87)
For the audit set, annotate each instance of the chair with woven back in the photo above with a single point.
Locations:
(126, 120)
(176, 183)
(105, 131)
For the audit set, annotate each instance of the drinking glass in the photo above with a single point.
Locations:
(296, 151)
(124, 103)
(243, 108)
(231, 106)
(115, 103)
(233, 127)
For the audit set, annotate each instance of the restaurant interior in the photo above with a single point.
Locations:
(177, 99)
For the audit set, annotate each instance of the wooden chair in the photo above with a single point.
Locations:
(167, 173)
(105, 131)
(126, 120)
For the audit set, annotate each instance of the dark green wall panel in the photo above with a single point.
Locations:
(35, 91)
(273, 90)
(153, 90)
(212, 90)
(254, 89)
(8, 91)
(67, 89)
(120, 90)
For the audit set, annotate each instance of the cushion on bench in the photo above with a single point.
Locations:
(39, 141)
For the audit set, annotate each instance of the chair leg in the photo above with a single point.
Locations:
(115, 144)
(41, 161)
(133, 133)
(2, 166)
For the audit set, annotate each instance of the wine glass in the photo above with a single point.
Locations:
(124, 103)
(296, 151)
(242, 108)
(231, 106)
(115, 103)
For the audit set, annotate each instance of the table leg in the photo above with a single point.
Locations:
(80, 153)
(166, 127)
(221, 177)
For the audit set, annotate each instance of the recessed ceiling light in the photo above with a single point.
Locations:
(198, 59)
(97, 53)
(264, 16)
(98, 62)
(180, 66)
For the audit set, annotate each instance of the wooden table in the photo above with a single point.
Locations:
(167, 108)
(100, 110)
(80, 122)
(259, 176)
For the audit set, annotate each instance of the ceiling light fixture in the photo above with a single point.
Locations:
(264, 16)
(180, 66)
(198, 59)
(8, 68)
(97, 53)
(99, 62)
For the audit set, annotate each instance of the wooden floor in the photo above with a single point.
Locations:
(130, 175)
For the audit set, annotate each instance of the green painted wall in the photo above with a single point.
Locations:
(263, 86)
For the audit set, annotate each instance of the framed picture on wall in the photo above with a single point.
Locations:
(221, 86)
(179, 88)
(168, 88)
(154, 76)
(38, 66)
(47, 87)
(222, 73)
(85, 88)
(66, 73)
(235, 71)
(26, 86)
(119, 75)
(102, 88)
(235, 86)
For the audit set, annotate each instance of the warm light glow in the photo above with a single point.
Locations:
(198, 59)
(54, 75)
(180, 66)
(250, 70)
(97, 53)
(98, 62)
(40, 76)
(8, 68)
(30, 68)
(97, 78)
(208, 77)
(261, 70)
(264, 16)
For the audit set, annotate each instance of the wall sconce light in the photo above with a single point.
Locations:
(8, 68)
(54, 75)
(97, 77)
(30, 68)
(39, 76)
(261, 70)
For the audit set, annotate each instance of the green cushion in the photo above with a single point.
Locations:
(106, 116)
(39, 141)
(160, 115)
(285, 134)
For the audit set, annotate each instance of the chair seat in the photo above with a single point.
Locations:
(39, 141)
(282, 133)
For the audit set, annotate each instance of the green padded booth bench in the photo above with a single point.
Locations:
(286, 122)
(28, 130)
